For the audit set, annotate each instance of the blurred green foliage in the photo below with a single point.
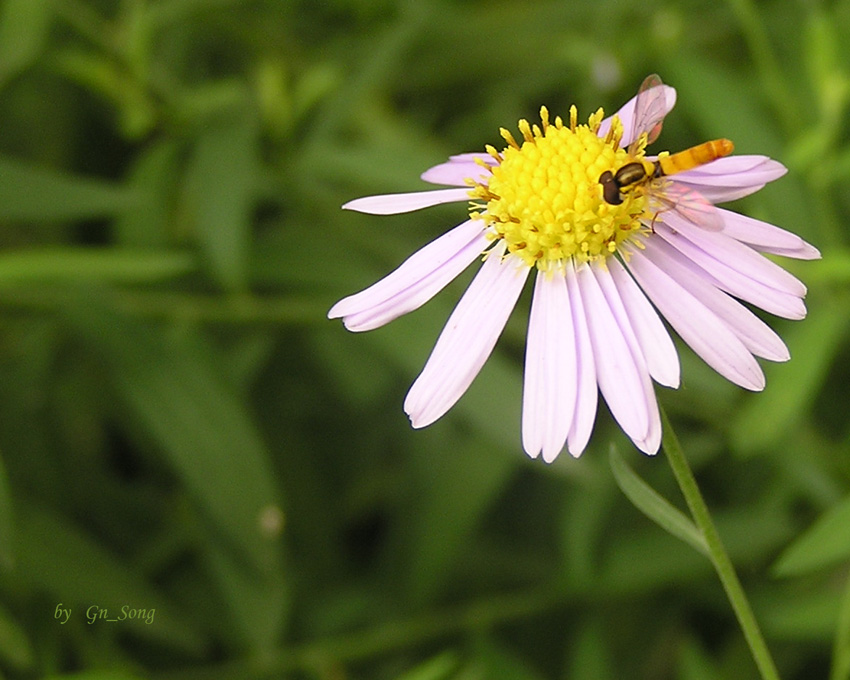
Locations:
(183, 432)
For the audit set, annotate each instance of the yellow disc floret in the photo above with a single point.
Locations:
(544, 197)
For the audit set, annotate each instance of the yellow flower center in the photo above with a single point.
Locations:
(544, 197)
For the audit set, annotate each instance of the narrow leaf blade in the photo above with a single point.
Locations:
(825, 543)
(653, 505)
(31, 193)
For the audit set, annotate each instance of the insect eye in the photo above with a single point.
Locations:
(610, 188)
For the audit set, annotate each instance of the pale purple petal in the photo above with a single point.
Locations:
(736, 268)
(617, 370)
(698, 326)
(718, 195)
(392, 204)
(549, 387)
(655, 343)
(734, 171)
(467, 339)
(804, 252)
(730, 178)
(650, 442)
(458, 168)
(626, 114)
(729, 250)
(587, 394)
(766, 237)
(472, 156)
(424, 261)
(417, 280)
(756, 335)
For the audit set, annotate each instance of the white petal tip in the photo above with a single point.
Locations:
(649, 448)
(551, 456)
(673, 381)
(806, 252)
(358, 204)
(547, 455)
(394, 204)
(530, 454)
(779, 354)
(417, 422)
(755, 385)
(370, 205)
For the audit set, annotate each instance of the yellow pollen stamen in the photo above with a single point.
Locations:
(615, 132)
(494, 153)
(544, 198)
(509, 138)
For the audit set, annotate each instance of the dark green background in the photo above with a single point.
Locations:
(183, 430)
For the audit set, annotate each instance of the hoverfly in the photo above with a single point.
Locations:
(647, 176)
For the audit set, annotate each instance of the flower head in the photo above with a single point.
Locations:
(612, 235)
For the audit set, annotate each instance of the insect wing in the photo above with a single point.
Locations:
(693, 206)
(650, 109)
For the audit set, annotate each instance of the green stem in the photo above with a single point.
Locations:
(717, 553)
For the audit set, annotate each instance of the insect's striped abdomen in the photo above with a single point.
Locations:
(695, 156)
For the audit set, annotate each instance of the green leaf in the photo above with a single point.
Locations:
(92, 264)
(174, 389)
(94, 675)
(220, 192)
(136, 108)
(720, 101)
(765, 420)
(824, 544)
(841, 645)
(7, 528)
(460, 479)
(824, 55)
(24, 26)
(257, 601)
(440, 667)
(807, 614)
(30, 193)
(493, 660)
(154, 177)
(648, 560)
(655, 506)
(590, 655)
(57, 557)
(15, 647)
(695, 663)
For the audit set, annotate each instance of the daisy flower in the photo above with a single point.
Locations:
(614, 238)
